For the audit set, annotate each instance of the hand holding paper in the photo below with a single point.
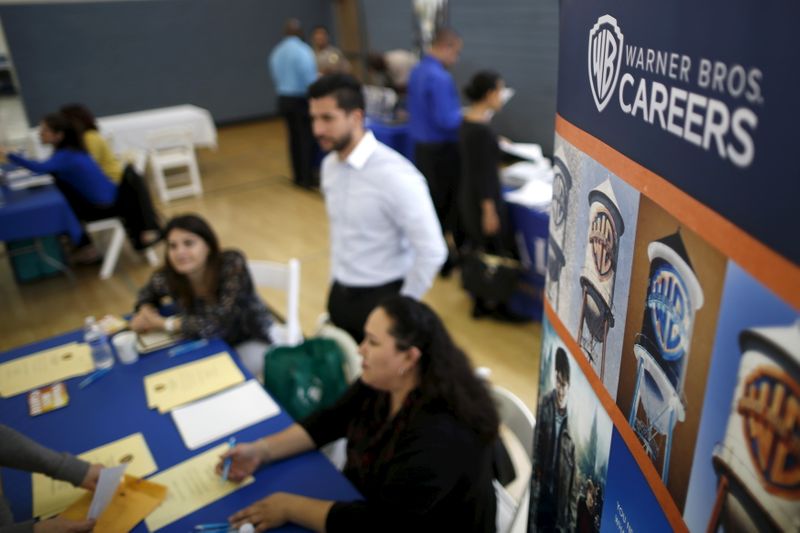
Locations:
(106, 487)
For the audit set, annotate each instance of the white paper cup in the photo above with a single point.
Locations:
(125, 346)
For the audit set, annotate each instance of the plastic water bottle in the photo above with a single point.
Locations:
(97, 340)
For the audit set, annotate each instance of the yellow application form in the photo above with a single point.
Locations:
(191, 381)
(191, 485)
(45, 367)
(50, 497)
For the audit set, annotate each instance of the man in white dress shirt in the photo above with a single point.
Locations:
(385, 236)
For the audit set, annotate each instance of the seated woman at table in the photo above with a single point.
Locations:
(212, 289)
(19, 452)
(420, 430)
(143, 226)
(96, 144)
(89, 192)
(482, 209)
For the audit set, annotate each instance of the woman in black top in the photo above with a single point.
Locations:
(482, 210)
(481, 205)
(420, 427)
(211, 288)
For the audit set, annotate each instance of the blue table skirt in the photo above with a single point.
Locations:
(531, 228)
(37, 212)
(115, 406)
(393, 135)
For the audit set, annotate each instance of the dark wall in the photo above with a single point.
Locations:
(125, 56)
(517, 38)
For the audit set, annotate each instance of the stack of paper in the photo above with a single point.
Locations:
(50, 496)
(210, 419)
(28, 182)
(535, 194)
(189, 382)
(520, 173)
(45, 367)
(529, 151)
(191, 485)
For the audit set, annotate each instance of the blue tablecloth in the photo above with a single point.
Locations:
(531, 227)
(115, 406)
(394, 135)
(37, 212)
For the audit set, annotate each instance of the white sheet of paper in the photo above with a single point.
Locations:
(30, 181)
(212, 418)
(530, 151)
(106, 487)
(535, 194)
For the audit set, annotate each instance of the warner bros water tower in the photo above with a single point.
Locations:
(758, 462)
(599, 274)
(559, 212)
(662, 346)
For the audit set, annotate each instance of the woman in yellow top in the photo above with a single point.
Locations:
(138, 213)
(96, 144)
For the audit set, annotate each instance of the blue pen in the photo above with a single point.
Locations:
(94, 376)
(188, 347)
(226, 466)
(212, 527)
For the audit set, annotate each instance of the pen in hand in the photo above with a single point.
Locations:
(226, 465)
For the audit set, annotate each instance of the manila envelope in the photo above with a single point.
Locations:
(134, 500)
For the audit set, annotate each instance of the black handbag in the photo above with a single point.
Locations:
(490, 277)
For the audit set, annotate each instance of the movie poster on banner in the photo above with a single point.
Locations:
(591, 293)
(675, 288)
(571, 444)
(746, 468)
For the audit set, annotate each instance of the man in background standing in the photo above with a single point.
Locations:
(434, 110)
(294, 68)
(329, 58)
(385, 238)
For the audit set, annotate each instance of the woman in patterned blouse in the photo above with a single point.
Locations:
(211, 288)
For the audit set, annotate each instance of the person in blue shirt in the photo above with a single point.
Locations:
(293, 68)
(89, 192)
(434, 112)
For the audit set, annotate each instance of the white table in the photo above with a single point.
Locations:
(128, 131)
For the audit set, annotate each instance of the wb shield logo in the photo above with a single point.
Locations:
(605, 58)
(770, 410)
(668, 302)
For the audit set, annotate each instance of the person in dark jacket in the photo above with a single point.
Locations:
(555, 454)
(420, 430)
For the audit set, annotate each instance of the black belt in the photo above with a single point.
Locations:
(357, 291)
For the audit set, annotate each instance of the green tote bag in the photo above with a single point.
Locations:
(306, 377)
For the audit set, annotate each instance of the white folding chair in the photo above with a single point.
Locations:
(115, 242)
(346, 343)
(286, 277)
(336, 451)
(517, 420)
(168, 150)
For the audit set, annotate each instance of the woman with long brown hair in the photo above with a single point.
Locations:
(211, 288)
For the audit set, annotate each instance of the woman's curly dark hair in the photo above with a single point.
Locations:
(446, 374)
